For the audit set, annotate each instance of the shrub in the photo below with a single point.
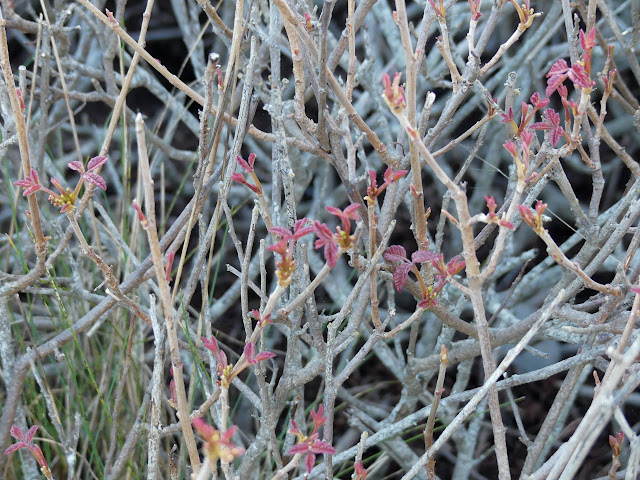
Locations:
(334, 248)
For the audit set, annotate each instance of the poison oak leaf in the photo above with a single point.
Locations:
(239, 178)
(422, 256)
(393, 92)
(396, 253)
(223, 368)
(326, 240)
(535, 221)
(552, 124)
(173, 395)
(280, 247)
(526, 137)
(507, 117)
(282, 232)
(400, 275)
(346, 215)
(285, 248)
(318, 418)
(491, 204)
(91, 175)
(310, 446)
(537, 102)
(249, 353)
(31, 183)
(580, 76)
(454, 266)
(95, 163)
(588, 42)
(560, 71)
(26, 441)
(608, 81)
(96, 180)
(556, 76)
(299, 229)
(246, 166)
(512, 148)
(262, 322)
(76, 165)
(141, 215)
(390, 176)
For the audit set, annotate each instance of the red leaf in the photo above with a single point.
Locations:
(537, 102)
(15, 447)
(540, 126)
(319, 446)
(294, 430)
(350, 211)
(559, 68)
(390, 176)
(76, 165)
(237, 177)
(454, 266)
(309, 462)
(31, 183)
(579, 76)
(302, 232)
(491, 204)
(511, 147)
(249, 351)
(422, 256)
(554, 136)
(32, 431)
(299, 229)
(280, 247)
(96, 162)
(331, 253)
(16, 432)
(323, 233)
(264, 356)
(507, 117)
(361, 472)
(96, 180)
(243, 164)
(210, 344)
(334, 211)
(587, 42)
(299, 448)
(396, 253)
(556, 76)
(318, 419)
(283, 232)
(400, 275)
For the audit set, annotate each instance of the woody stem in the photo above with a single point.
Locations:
(423, 287)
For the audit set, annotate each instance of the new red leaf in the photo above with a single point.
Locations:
(395, 253)
(400, 275)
